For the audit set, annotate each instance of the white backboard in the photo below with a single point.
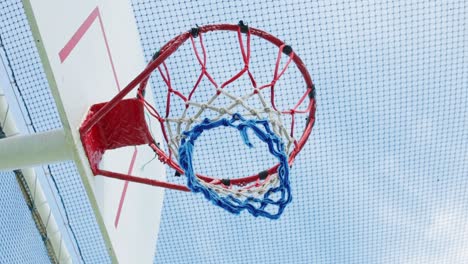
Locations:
(90, 50)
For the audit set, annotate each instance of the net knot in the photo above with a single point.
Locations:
(155, 55)
(195, 31)
(243, 27)
(287, 49)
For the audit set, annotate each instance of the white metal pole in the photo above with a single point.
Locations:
(39, 199)
(30, 150)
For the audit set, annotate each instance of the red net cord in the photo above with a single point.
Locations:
(201, 55)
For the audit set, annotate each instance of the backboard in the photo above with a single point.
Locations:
(89, 50)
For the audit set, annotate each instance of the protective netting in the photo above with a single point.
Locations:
(383, 177)
(385, 166)
(21, 241)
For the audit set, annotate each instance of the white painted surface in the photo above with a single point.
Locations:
(84, 78)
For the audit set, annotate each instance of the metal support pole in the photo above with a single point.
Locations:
(15, 152)
(19, 152)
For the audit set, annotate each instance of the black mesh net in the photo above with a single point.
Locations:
(383, 177)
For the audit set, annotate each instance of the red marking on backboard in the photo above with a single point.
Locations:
(71, 44)
(122, 197)
(63, 55)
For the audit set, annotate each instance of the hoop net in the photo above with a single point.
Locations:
(235, 96)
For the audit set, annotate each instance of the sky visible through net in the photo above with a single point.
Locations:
(383, 177)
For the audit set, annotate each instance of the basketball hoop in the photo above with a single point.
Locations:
(121, 122)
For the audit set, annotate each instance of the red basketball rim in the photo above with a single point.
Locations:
(166, 51)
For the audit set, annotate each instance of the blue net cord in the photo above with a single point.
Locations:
(257, 206)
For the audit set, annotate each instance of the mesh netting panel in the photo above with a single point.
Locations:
(21, 241)
(384, 172)
(383, 178)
